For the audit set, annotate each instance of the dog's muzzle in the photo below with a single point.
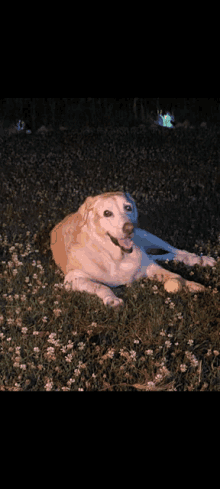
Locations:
(124, 243)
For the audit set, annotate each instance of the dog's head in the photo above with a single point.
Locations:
(113, 215)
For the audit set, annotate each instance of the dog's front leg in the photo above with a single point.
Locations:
(78, 280)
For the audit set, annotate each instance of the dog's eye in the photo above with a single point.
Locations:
(107, 213)
(128, 208)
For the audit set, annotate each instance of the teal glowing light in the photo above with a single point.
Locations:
(165, 120)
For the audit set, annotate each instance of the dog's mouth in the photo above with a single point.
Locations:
(123, 243)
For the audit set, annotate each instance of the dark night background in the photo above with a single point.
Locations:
(94, 111)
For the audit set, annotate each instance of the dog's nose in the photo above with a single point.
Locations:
(128, 228)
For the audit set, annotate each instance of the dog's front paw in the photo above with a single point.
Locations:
(113, 302)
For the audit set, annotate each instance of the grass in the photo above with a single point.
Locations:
(55, 340)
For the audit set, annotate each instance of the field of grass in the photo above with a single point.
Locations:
(54, 340)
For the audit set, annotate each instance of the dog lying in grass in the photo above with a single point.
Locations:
(100, 246)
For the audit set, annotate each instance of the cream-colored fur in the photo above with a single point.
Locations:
(100, 246)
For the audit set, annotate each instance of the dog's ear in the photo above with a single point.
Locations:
(85, 208)
(134, 218)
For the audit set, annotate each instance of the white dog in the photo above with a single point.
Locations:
(101, 244)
